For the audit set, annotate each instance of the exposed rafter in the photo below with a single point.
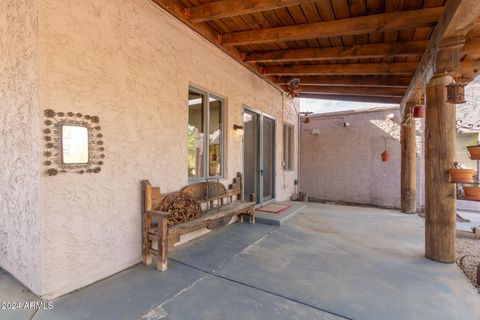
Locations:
(392, 100)
(407, 68)
(231, 8)
(355, 91)
(459, 17)
(376, 50)
(351, 26)
(356, 81)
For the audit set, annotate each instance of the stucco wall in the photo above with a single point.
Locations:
(343, 163)
(19, 143)
(131, 64)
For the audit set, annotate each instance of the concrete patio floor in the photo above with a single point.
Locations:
(328, 262)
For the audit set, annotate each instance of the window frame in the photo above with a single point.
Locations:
(288, 146)
(206, 141)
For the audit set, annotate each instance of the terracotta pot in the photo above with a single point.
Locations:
(472, 193)
(474, 152)
(419, 111)
(385, 156)
(461, 175)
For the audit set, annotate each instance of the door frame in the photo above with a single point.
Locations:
(262, 115)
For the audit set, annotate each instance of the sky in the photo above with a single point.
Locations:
(323, 106)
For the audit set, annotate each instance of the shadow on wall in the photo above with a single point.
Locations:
(341, 157)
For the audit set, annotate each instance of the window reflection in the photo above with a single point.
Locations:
(195, 135)
(215, 137)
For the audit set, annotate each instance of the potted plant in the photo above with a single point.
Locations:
(461, 175)
(472, 192)
(474, 152)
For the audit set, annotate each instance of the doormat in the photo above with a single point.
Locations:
(274, 208)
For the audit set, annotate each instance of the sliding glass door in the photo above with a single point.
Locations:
(259, 155)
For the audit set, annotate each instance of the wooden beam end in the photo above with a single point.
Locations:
(186, 14)
(219, 39)
(244, 56)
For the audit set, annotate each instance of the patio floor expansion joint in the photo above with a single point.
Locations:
(214, 274)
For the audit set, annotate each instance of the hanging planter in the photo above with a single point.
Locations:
(472, 193)
(459, 175)
(456, 92)
(474, 152)
(385, 156)
(419, 111)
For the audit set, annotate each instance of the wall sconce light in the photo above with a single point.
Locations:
(238, 129)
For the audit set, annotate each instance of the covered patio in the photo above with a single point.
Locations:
(152, 131)
(327, 262)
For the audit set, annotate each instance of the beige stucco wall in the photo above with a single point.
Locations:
(131, 64)
(343, 164)
(19, 143)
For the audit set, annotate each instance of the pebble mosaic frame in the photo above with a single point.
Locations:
(53, 142)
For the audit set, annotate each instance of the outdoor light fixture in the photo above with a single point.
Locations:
(238, 129)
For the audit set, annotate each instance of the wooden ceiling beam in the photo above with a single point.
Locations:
(389, 100)
(354, 91)
(350, 26)
(407, 68)
(348, 81)
(363, 51)
(231, 8)
(458, 19)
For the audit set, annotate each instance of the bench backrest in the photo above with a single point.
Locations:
(202, 192)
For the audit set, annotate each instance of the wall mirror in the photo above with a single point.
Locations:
(73, 143)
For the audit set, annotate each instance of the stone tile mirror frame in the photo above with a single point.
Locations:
(65, 131)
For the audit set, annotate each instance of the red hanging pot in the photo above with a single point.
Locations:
(419, 111)
(385, 156)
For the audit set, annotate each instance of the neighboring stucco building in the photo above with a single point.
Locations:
(352, 170)
(131, 64)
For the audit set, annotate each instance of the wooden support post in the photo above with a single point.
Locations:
(409, 162)
(440, 206)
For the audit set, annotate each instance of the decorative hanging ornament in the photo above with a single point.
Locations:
(456, 92)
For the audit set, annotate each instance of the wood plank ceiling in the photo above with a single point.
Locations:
(358, 50)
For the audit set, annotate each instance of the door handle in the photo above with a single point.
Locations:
(261, 172)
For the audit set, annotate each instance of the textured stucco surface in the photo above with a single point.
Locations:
(19, 143)
(344, 163)
(131, 64)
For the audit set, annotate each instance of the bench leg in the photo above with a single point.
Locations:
(240, 218)
(162, 245)
(147, 243)
(251, 219)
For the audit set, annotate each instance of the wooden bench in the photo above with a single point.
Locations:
(217, 207)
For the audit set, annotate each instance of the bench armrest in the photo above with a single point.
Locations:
(158, 214)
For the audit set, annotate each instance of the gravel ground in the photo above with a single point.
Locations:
(468, 257)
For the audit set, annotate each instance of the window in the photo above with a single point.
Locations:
(288, 146)
(205, 117)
